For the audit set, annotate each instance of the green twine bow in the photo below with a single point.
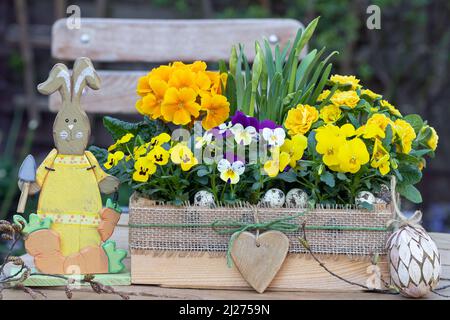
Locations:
(236, 228)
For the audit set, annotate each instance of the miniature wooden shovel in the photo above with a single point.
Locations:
(27, 174)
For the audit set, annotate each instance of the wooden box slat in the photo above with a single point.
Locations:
(165, 40)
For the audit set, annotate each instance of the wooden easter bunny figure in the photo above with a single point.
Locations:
(68, 233)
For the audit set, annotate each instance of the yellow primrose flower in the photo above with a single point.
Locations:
(380, 158)
(330, 113)
(279, 162)
(183, 78)
(143, 86)
(345, 98)
(329, 140)
(150, 104)
(323, 95)
(162, 73)
(198, 66)
(369, 93)
(295, 147)
(113, 159)
(352, 155)
(160, 139)
(217, 110)
(230, 172)
(144, 168)
(159, 155)
(217, 81)
(392, 110)
(406, 134)
(300, 119)
(181, 154)
(124, 139)
(346, 80)
(375, 127)
(434, 139)
(179, 105)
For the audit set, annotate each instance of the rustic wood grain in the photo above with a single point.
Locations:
(165, 40)
(118, 94)
(259, 259)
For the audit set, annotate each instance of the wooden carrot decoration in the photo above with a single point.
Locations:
(69, 232)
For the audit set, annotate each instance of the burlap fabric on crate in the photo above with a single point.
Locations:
(343, 230)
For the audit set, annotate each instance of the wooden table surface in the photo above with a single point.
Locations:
(160, 293)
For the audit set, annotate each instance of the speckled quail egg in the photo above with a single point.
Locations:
(296, 198)
(384, 193)
(274, 198)
(204, 198)
(365, 196)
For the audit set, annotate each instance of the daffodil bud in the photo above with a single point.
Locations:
(260, 52)
(306, 35)
(233, 60)
(257, 69)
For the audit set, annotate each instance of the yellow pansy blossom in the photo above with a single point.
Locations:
(380, 158)
(217, 110)
(160, 139)
(113, 159)
(182, 155)
(345, 98)
(330, 113)
(345, 80)
(406, 135)
(392, 110)
(144, 168)
(295, 147)
(124, 139)
(159, 155)
(278, 163)
(352, 155)
(180, 105)
(433, 140)
(300, 119)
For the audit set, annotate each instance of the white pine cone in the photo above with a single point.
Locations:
(414, 261)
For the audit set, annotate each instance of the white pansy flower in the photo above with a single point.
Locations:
(230, 172)
(243, 136)
(274, 137)
(224, 127)
(201, 141)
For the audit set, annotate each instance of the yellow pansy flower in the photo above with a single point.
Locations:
(144, 168)
(278, 163)
(230, 173)
(406, 135)
(113, 159)
(369, 93)
(433, 140)
(182, 155)
(300, 119)
(295, 147)
(179, 105)
(380, 158)
(160, 139)
(217, 110)
(124, 139)
(375, 127)
(345, 98)
(352, 155)
(141, 150)
(329, 140)
(330, 113)
(159, 155)
(392, 110)
(345, 80)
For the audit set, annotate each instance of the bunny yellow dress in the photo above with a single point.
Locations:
(70, 196)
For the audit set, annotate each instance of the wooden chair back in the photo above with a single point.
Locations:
(154, 41)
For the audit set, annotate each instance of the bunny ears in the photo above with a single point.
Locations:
(71, 87)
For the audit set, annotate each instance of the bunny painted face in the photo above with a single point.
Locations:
(71, 131)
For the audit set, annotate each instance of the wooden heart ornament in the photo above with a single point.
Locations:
(258, 260)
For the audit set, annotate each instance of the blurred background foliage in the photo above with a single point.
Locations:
(407, 60)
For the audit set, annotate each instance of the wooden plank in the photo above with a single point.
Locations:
(117, 94)
(299, 272)
(165, 40)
